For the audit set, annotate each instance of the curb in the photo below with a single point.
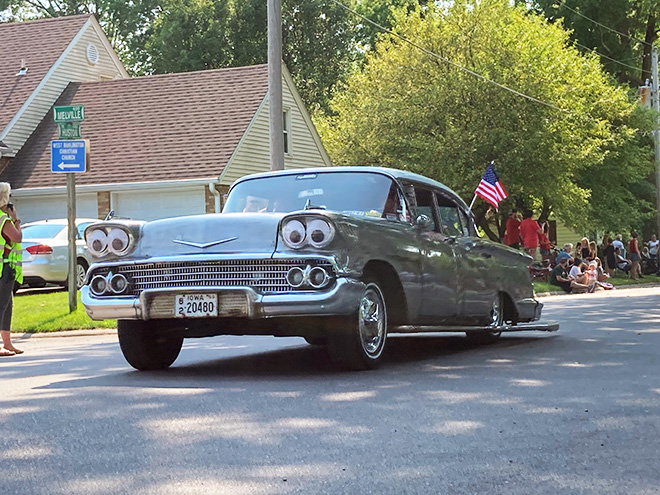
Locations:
(620, 287)
(113, 331)
(66, 333)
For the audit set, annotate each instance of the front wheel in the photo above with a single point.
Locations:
(496, 320)
(360, 344)
(148, 345)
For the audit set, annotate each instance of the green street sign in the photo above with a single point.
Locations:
(69, 113)
(69, 130)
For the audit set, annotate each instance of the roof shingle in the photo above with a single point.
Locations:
(153, 128)
(40, 43)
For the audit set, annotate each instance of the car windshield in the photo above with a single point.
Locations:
(357, 193)
(41, 231)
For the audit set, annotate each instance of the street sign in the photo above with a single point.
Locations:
(69, 155)
(69, 130)
(69, 113)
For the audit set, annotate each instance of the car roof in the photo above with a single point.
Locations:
(390, 172)
(61, 221)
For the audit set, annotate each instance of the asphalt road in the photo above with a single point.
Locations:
(574, 412)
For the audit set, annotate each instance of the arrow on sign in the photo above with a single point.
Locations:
(63, 165)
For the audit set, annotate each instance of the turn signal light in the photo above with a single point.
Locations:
(39, 249)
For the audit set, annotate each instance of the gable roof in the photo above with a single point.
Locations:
(40, 44)
(150, 129)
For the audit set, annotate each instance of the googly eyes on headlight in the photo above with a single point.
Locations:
(97, 242)
(319, 233)
(293, 233)
(118, 241)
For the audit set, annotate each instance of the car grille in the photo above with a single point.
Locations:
(263, 276)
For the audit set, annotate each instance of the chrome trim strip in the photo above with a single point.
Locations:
(203, 245)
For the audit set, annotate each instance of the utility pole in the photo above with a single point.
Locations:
(276, 114)
(656, 130)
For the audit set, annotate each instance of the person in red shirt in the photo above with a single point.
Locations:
(545, 245)
(530, 231)
(512, 232)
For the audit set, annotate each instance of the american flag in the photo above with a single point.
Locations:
(490, 188)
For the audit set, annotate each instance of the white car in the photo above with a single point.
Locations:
(45, 252)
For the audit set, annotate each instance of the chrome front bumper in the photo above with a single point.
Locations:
(341, 300)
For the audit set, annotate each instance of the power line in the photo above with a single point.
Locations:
(448, 61)
(605, 56)
(563, 4)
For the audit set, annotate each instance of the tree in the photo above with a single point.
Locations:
(620, 31)
(190, 35)
(411, 110)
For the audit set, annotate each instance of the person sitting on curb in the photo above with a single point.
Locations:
(559, 276)
(581, 283)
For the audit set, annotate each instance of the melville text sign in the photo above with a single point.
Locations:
(69, 113)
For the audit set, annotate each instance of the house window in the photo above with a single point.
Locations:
(286, 126)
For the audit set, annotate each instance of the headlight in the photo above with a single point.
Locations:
(293, 233)
(98, 285)
(319, 233)
(118, 241)
(97, 242)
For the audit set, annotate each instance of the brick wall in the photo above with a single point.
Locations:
(210, 198)
(103, 203)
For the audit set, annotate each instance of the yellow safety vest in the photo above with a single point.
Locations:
(15, 259)
(15, 256)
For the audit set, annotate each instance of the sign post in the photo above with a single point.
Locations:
(69, 155)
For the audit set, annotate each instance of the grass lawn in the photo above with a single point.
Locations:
(50, 313)
(616, 281)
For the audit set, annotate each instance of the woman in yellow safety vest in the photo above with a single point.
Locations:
(10, 236)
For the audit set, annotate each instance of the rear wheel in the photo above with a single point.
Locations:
(149, 345)
(360, 343)
(496, 320)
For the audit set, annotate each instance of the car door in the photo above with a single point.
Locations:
(439, 269)
(474, 258)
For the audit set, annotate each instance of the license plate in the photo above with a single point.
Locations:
(196, 305)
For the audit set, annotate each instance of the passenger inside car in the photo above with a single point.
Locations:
(254, 204)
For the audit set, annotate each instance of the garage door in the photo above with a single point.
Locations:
(30, 209)
(152, 205)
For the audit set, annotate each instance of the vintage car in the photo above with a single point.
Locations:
(341, 256)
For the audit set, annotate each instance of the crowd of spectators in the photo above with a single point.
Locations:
(583, 267)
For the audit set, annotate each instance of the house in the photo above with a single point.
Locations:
(37, 61)
(162, 145)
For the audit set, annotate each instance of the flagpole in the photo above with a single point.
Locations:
(472, 203)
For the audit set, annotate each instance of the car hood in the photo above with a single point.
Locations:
(224, 233)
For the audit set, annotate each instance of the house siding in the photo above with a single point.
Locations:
(74, 67)
(253, 153)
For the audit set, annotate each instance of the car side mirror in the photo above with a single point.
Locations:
(423, 221)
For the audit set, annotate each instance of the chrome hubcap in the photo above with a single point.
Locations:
(80, 275)
(496, 315)
(372, 321)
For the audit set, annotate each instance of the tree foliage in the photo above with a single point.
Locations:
(409, 109)
(620, 31)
